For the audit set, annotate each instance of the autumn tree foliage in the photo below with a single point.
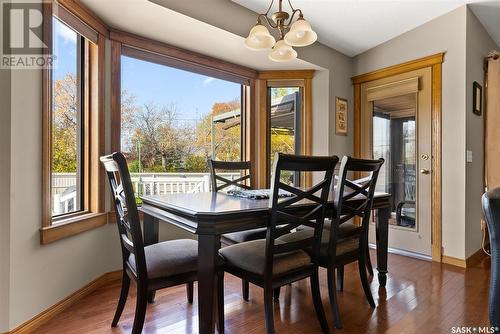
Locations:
(64, 125)
(155, 141)
(227, 135)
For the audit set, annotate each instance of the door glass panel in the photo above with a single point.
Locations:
(394, 139)
(284, 125)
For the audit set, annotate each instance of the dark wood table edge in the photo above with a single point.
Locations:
(209, 244)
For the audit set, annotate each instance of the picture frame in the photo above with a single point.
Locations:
(341, 111)
(477, 98)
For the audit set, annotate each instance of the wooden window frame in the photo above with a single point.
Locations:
(269, 79)
(93, 214)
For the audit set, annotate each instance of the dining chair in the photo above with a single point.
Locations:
(491, 210)
(218, 183)
(270, 263)
(152, 267)
(338, 250)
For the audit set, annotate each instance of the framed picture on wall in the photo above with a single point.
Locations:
(340, 116)
(477, 98)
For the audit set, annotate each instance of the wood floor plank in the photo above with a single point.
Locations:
(420, 297)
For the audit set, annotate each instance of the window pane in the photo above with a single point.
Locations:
(284, 118)
(66, 121)
(172, 122)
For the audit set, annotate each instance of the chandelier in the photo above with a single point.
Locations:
(298, 33)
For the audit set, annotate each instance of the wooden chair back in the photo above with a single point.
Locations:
(241, 166)
(283, 220)
(127, 216)
(354, 199)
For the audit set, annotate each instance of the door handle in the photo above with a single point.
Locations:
(425, 171)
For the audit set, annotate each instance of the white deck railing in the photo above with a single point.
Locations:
(143, 183)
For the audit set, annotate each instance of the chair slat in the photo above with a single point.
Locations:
(241, 166)
(127, 216)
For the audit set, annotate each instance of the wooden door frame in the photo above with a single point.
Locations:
(265, 80)
(435, 63)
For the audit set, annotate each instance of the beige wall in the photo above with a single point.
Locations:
(40, 276)
(444, 34)
(4, 198)
(479, 44)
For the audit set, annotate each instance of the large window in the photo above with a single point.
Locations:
(172, 122)
(68, 133)
(73, 124)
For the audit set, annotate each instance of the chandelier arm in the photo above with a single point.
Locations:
(295, 11)
(291, 7)
(269, 22)
(270, 6)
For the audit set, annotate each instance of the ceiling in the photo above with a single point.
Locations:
(147, 19)
(354, 26)
(489, 13)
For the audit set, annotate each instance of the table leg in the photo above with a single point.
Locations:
(150, 237)
(150, 230)
(382, 235)
(208, 247)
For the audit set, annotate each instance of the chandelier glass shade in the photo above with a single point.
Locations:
(292, 33)
(282, 52)
(259, 38)
(301, 34)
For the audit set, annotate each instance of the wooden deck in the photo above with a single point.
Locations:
(421, 297)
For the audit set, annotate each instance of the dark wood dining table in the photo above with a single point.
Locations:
(208, 215)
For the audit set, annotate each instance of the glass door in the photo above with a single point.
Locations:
(396, 116)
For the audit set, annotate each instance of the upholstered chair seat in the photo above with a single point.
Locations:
(344, 246)
(251, 256)
(249, 235)
(169, 258)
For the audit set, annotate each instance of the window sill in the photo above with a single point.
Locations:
(71, 226)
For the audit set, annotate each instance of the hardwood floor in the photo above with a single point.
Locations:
(420, 297)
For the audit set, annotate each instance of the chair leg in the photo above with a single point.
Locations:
(332, 292)
(268, 309)
(276, 294)
(369, 262)
(122, 300)
(318, 305)
(220, 302)
(340, 278)
(189, 291)
(364, 281)
(140, 309)
(245, 289)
